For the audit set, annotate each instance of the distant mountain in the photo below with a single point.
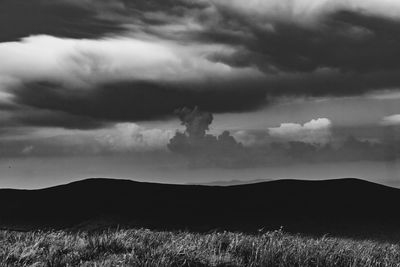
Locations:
(231, 182)
(341, 206)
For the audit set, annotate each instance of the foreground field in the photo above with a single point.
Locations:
(141, 247)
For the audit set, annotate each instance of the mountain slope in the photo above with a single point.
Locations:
(340, 205)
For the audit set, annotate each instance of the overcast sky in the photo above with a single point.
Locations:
(283, 89)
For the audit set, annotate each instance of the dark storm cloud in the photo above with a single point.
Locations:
(15, 115)
(338, 53)
(346, 53)
(345, 40)
(62, 106)
(333, 83)
(127, 101)
(83, 19)
(343, 53)
(43, 118)
(20, 18)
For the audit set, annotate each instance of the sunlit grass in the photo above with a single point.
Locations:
(141, 247)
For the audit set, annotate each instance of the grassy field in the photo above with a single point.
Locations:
(141, 247)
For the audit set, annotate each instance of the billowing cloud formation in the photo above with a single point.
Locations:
(315, 131)
(202, 148)
(290, 143)
(195, 122)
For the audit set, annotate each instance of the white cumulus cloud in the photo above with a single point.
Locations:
(391, 120)
(315, 131)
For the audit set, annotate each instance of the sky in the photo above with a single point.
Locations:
(195, 91)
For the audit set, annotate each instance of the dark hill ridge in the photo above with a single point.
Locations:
(339, 205)
(231, 182)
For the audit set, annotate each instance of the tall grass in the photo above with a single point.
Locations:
(141, 247)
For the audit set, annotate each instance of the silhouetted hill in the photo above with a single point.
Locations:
(231, 182)
(343, 206)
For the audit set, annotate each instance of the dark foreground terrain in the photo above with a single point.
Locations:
(140, 247)
(343, 207)
(101, 222)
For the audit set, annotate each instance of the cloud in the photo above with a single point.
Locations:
(253, 138)
(123, 102)
(88, 62)
(19, 18)
(315, 131)
(246, 137)
(391, 120)
(75, 80)
(111, 61)
(121, 138)
(93, 69)
(27, 150)
(340, 34)
(200, 148)
(310, 142)
(344, 40)
(196, 122)
(291, 143)
(132, 137)
(306, 12)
